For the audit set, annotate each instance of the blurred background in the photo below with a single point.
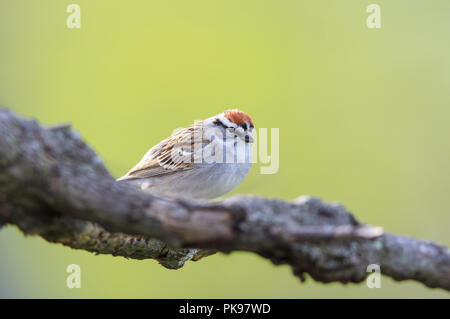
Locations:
(363, 117)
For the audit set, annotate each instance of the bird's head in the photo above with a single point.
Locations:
(236, 122)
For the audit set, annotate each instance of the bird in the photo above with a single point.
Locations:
(202, 161)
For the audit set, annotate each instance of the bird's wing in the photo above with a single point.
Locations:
(171, 155)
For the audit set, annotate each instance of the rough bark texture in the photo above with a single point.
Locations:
(55, 186)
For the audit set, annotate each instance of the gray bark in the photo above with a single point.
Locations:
(53, 185)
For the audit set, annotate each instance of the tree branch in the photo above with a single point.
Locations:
(53, 185)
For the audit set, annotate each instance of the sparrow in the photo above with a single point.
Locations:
(202, 161)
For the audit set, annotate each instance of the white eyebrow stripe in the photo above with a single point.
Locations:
(226, 121)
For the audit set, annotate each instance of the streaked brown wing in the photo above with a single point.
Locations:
(171, 155)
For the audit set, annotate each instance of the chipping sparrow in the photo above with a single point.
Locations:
(202, 161)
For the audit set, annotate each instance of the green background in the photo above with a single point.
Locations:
(363, 117)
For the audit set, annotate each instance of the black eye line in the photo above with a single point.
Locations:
(219, 122)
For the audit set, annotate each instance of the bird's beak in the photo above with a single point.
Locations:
(249, 139)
